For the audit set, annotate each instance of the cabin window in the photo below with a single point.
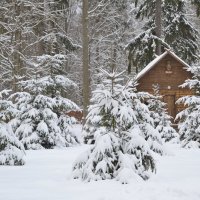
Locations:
(168, 68)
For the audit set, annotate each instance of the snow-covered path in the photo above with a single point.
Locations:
(46, 176)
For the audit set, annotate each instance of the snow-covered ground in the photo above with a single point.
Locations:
(46, 176)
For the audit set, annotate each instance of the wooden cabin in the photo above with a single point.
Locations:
(169, 72)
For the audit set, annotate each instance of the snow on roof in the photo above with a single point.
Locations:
(156, 60)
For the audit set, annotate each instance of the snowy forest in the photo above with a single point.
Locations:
(68, 89)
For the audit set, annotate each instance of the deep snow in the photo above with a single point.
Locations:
(47, 176)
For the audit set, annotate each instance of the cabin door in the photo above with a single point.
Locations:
(170, 101)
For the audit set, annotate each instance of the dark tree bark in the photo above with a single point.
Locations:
(158, 22)
(86, 68)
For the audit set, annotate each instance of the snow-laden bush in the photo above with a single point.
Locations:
(42, 121)
(162, 121)
(189, 118)
(11, 149)
(113, 123)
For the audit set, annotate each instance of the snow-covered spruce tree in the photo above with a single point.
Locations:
(26, 121)
(38, 126)
(42, 121)
(189, 118)
(56, 86)
(167, 26)
(59, 89)
(120, 150)
(179, 33)
(143, 46)
(146, 123)
(11, 149)
(162, 121)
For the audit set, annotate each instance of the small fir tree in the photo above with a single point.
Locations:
(120, 150)
(11, 149)
(189, 118)
(42, 117)
(162, 121)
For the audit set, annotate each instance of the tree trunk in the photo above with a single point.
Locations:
(86, 70)
(114, 56)
(18, 65)
(158, 22)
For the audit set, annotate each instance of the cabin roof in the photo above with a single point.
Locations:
(156, 60)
